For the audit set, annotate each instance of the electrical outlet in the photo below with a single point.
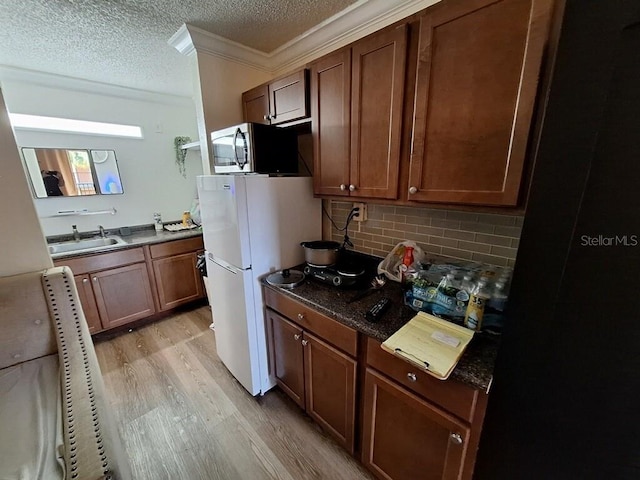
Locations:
(361, 216)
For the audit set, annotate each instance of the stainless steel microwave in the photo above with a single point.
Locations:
(255, 148)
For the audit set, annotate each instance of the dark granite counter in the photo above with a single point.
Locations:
(475, 368)
(138, 237)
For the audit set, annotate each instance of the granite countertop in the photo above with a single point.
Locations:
(139, 236)
(475, 368)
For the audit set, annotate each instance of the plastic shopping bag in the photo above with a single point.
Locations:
(390, 266)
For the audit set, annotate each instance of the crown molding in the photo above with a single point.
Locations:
(181, 41)
(354, 22)
(358, 21)
(212, 44)
(52, 80)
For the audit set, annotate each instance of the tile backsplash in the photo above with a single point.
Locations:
(483, 237)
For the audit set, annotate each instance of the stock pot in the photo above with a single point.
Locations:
(321, 253)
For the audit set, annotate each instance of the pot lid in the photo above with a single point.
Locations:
(286, 278)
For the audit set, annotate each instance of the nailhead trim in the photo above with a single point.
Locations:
(67, 379)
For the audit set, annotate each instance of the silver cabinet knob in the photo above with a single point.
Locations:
(412, 377)
(352, 188)
(343, 187)
(95, 279)
(272, 117)
(85, 280)
(297, 336)
(413, 190)
(304, 343)
(456, 438)
(266, 117)
(301, 316)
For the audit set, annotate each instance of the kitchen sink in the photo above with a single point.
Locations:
(89, 244)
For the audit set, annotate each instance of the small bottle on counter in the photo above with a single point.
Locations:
(477, 301)
(407, 261)
(157, 222)
(186, 219)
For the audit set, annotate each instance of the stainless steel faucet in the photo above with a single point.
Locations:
(76, 233)
(103, 234)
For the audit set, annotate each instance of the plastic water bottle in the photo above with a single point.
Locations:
(493, 318)
(498, 297)
(467, 283)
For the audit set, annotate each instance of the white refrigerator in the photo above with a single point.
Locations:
(252, 225)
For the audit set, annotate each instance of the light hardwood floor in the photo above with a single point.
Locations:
(182, 415)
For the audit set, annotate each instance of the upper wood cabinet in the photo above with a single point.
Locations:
(377, 94)
(356, 116)
(255, 105)
(282, 100)
(331, 123)
(477, 75)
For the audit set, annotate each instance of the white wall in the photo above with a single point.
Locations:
(147, 167)
(21, 242)
(218, 86)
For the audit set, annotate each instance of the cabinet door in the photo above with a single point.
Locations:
(330, 380)
(123, 294)
(177, 280)
(288, 98)
(478, 68)
(88, 302)
(330, 123)
(376, 108)
(255, 105)
(286, 354)
(406, 438)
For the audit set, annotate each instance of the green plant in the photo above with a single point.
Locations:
(181, 154)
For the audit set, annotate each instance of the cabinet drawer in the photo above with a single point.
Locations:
(453, 396)
(326, 328)
(176, 247)
(102, 261)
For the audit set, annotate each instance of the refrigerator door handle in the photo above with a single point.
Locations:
(224, 265)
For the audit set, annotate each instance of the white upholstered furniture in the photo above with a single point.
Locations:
(54, 420)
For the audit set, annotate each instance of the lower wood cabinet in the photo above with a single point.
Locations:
(115, 297)
(120, 287)
(316, 375)
(287, 355)
(330, 385)
(410, 425)
(177, 280)
(406, 438)
(123, 294)
(88, 302)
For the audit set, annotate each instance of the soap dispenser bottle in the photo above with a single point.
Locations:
(157, 221)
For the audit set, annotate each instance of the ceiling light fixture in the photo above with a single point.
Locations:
(55, 124)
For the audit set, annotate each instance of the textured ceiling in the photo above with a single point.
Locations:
(124, 42)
